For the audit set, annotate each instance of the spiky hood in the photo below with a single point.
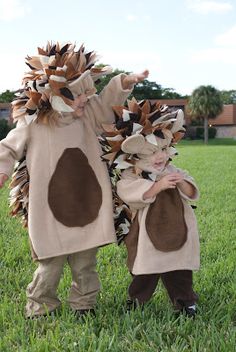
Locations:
(58, 74)
(136, 129)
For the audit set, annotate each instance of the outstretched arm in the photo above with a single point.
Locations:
(134, 78)
(99, 107)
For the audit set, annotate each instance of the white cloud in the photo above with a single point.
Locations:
(12, 9)
(205, 7)
(133, 61)
(131, 18)
(135, 18)
(221, 55)
(228, 38)
(12, 70)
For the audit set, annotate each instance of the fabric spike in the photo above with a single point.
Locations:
(118, 110)
(66, 93)
(19, 186)
(133, 105)
(146, 107)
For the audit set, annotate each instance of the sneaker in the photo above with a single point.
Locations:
(190, 311)
(132, 304)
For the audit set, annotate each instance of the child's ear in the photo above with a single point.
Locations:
(133, 144)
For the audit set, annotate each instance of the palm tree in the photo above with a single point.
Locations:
(205, 103)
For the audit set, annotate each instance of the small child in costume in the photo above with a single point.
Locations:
(162, 241)
(61, 187)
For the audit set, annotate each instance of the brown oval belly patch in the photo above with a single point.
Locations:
(74, 193)
(165, 223)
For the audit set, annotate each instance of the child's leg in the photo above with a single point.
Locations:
(41, 292)
(142, 287)
(85, 284)
(179, 285)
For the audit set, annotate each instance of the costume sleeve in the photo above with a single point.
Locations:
(12, 147)
(131, 190)
(99, 107)
(190, 180)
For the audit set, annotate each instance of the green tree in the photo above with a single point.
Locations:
(205, 103)
(7, 96)
(143, 90)
(102, 82)
(228, 96)
(147, 90)
(170, 93)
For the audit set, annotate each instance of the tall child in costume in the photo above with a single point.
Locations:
(162, 241)
(67, 201)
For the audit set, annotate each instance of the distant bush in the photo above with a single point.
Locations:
(197, 132)
(200, 132)
(190, 132)
(4, 128)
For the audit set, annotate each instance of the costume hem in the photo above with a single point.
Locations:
(75, 251)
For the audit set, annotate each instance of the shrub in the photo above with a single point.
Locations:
(200, 132)
(197, 132)
(190, 132)
(4, 128)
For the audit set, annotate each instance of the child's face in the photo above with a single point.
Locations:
(79, 104)
(155, 162)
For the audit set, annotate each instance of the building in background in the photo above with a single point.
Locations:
(5, 111)
(225, 123)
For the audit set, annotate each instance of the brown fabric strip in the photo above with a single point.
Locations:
(165, 222)
(131, 242)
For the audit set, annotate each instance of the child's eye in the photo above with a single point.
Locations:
(164, 148)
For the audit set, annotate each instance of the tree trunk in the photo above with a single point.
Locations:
(206, 130)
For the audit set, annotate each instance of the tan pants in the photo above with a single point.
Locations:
(42, 291)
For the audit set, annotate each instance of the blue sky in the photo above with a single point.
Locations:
(183, 43)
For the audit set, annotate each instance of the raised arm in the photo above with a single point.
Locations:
(118, 89)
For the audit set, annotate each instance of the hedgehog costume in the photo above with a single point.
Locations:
(162, 240)
(61, 187)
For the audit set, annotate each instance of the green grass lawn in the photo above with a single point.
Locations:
(155, 328)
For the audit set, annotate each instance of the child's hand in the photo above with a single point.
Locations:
(3, 179)
(134, 78)
(168, 181)
(177, 177)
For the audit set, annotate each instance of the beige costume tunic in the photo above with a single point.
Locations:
(70, 201)
(144, 257)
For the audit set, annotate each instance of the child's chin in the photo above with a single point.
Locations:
(159, 168)
(155, 170)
